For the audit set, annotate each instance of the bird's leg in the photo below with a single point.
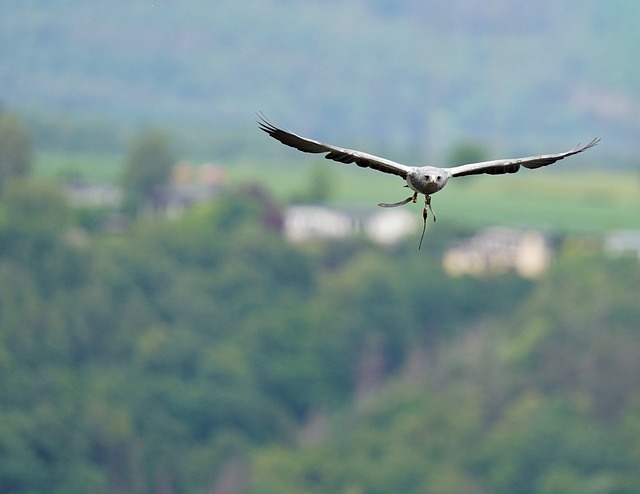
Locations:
(424, 221)
(401, 203)
(427, 202)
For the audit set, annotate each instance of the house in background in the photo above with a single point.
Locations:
(189, 185)
(622, 242)
(389, 227)
(82, 193)
(498, 250)
(307, 222)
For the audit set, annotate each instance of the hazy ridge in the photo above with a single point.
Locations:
(404, 75)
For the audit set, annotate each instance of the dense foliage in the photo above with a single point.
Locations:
(148, 166)
(202, 354)
(541, 399)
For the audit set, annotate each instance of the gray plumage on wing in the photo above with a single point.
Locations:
(365, 160)
(334, 153)
(512, 165)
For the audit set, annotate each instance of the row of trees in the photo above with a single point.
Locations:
(150, 157)
(148, 162)
(15, 147)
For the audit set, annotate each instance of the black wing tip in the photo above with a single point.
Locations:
(289, 138)
(265, 125)
(594, 142)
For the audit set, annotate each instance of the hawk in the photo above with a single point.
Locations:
(426, 180)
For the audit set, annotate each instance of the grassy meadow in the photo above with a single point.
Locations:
(563, 200)
(97, 168)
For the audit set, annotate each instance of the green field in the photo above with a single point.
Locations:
(556, 200)
(560, 200)
(93, 167)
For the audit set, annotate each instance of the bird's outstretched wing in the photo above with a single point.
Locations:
(334, 153)
(498, 167)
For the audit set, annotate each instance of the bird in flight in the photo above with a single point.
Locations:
(425, 180)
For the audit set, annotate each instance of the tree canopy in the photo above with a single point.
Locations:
(15, 148)
(148, 166)
(207, 353)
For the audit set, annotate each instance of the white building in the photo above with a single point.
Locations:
(497, 250)
(85, 194)
(306, 222)
(622, 242)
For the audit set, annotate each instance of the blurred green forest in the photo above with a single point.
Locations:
(207, 354)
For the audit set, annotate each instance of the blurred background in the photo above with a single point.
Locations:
(187, 306)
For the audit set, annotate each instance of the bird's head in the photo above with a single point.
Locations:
(435, 178)
(428, 179)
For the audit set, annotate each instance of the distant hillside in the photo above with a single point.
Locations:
(412, 75)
